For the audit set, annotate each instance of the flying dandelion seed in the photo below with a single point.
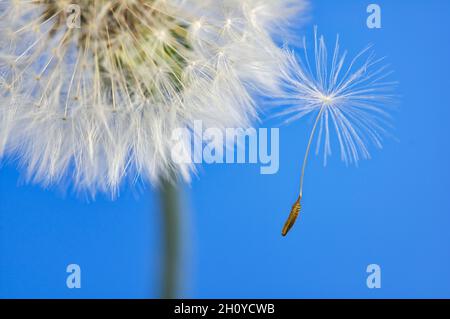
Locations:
(97, 103)
(348, 99)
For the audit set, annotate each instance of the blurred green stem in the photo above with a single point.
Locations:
(170, 231)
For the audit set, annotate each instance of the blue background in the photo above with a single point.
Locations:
(393, 210)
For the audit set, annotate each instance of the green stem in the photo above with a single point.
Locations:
(170, 208)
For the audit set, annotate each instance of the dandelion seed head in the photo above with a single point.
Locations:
(97, 104)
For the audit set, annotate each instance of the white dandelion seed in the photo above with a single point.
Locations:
(99, 103)
(348, 100)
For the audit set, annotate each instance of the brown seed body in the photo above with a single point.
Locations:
(295, 211)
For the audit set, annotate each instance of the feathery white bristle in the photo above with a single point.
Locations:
(350, 98)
